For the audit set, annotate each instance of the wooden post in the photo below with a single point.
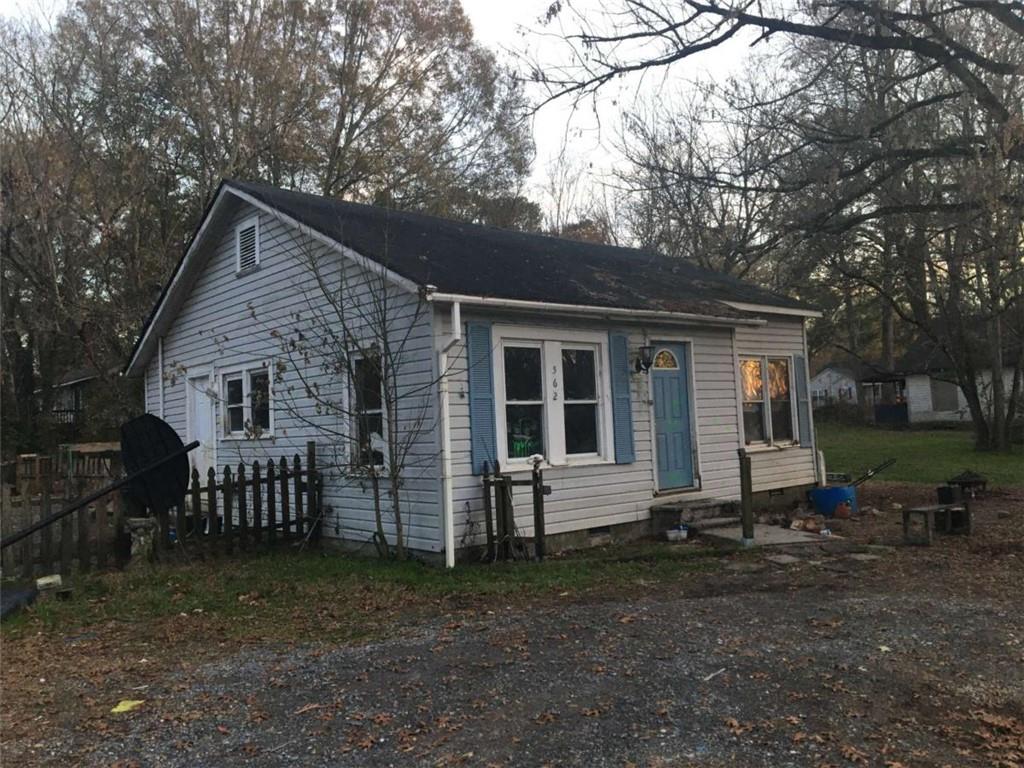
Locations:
(46, 534)
(297, 462)
(272, 496)
(7, 525)
(510, 518)
(28, 552)
(84, 515)
(211, 505)
(197, 505)
(228, 510)
(746, 498)
(538, 511)
(312, 503)
(489, 512)
(285, 500)
(318, 524)
(103, 529)
(257, 504)
(66, 545)
(243, 511)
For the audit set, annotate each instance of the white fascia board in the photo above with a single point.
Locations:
(771, 310)
(586, 310)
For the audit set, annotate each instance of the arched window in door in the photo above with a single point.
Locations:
(665, 360)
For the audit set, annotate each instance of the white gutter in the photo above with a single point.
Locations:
(160, 370)
(447, 480)
(586, 310)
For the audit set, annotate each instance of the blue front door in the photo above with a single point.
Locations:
(673, 441)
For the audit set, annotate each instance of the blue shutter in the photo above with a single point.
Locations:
(622, 413)
(483, 433)
(803, 402)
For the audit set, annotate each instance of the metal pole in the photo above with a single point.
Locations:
(746, 499)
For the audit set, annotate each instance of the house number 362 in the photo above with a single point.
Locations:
(554, 382)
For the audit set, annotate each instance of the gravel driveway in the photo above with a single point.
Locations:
(809, 677)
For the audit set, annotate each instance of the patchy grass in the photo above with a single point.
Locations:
(922, 456)
(286, 596)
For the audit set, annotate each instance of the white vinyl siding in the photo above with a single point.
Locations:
(225, 322)
(600, 494)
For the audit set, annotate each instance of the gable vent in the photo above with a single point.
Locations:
(247, 244)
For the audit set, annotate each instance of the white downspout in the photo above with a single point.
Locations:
(160, 372)
(447, 481)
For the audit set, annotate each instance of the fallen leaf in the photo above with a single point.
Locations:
(127, 705)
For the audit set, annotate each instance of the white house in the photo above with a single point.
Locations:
(637, 377)
(834, 383)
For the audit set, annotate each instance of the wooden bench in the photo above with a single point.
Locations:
(945, 518)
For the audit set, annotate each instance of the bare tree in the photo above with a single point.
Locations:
(351, 365)
(893, 164)
(121, 118)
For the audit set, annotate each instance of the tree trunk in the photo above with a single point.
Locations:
(382, 540)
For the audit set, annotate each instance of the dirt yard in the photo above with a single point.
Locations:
(857, 652)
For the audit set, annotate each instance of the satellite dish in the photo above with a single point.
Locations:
(146, 440)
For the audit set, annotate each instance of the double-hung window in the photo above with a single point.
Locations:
(579, 374)
(553, 395)
(524, 400)
(767, 400)
(246, 395)
(369, 412)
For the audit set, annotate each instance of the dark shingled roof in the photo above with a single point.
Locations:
(478, 260)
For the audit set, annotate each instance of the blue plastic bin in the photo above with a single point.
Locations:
(826, 500)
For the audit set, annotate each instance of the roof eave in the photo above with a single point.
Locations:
(772, 309)
(587, 310)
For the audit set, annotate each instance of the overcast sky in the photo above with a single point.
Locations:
(587, 133)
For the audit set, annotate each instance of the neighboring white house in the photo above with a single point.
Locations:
(834, 383)
(637, 377)
(921, 388)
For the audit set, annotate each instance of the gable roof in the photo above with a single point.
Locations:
(476, 260)
(473, 260)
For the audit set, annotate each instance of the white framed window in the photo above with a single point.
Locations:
(246, 395)
(767, 393)
(368, 414)
(553, 396)
(247, 245)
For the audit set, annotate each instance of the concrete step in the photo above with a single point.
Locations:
(672, 513)
(710, 523)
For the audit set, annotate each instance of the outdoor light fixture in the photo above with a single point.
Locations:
(645, 360)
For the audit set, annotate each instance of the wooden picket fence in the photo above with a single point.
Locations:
(249, 506)
(236, 509)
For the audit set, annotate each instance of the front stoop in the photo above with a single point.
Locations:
(698, 515)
